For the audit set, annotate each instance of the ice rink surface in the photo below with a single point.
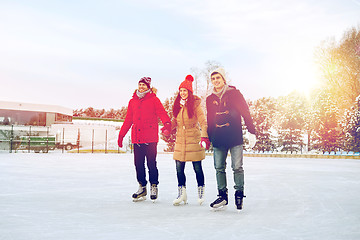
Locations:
(88, 197)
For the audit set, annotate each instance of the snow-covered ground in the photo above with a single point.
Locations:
(88, 196)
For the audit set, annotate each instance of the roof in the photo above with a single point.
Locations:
(35, 107)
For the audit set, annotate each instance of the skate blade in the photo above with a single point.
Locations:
(239, 209)
(140, 199)
(200, 202)
(221, 208)
(178, 204)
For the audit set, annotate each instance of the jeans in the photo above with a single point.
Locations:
(180, 172)
(148, 150)
(220, 155)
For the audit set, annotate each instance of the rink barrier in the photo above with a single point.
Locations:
(285, 155)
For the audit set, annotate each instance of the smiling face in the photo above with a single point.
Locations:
(184, 93)
(142, 87)
(217, 81)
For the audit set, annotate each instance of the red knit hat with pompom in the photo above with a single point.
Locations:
(187, 83)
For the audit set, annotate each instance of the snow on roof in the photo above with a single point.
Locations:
(35, 107)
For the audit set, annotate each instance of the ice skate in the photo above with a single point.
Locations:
(140, 195)
(221, 202)
(182, 197)
(201, 194)
(239, 195)
(153, 192)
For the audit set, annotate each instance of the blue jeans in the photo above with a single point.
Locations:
(180, 172)
(220, 155)
(148, 151)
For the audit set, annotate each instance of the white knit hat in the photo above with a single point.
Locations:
(219, 70)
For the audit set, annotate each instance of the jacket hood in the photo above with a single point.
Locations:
(221, 71)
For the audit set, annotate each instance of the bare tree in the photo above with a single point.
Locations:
(196, 73)
(209, 67)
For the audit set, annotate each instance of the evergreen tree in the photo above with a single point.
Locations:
(351, 127)
(89, 112)
(170, 140)
(291, 122)
(327, 132)
(263, 111)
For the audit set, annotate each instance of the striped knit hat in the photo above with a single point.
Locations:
(187, 83)
(146, 80)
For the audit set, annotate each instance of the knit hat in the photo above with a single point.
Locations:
(219, 70)
(187, 83)
(146, 80)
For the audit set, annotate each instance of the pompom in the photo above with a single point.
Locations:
(189, 78)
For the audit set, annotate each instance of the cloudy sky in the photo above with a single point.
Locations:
(83, 53)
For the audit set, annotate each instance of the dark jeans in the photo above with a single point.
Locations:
(148, 150)
(180, 171)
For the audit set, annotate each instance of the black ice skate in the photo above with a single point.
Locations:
(221, 202)
(239, 195)
(153, 192)
(140, 195)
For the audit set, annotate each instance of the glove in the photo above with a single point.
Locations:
(252, 140)
(120, 142)
(205, 143)
(166, 129)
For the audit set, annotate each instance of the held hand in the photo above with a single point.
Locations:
(166, 129)
(120, 140)
(252, 140)
(205, 143)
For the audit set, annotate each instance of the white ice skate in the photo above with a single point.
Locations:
(201, 194)
(182, 197)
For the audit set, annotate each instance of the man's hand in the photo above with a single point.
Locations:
(252, 140)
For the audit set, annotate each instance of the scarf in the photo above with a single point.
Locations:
(141, 95)
(182, 102)
(221, 92)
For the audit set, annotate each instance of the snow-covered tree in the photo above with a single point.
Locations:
(170, 140)
(89, 112)
(327, 130)
(339, 63)
(109, 114)
(263, 111)
(291, 122)
(351, 127)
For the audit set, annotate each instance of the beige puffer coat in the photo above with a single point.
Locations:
(188, 134)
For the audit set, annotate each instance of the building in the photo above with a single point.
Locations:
(27, 114)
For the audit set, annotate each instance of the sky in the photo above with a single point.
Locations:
(80, 54)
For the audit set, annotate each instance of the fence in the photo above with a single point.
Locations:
(62, 137)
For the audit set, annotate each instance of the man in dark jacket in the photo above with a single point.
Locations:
(225, 108)
(143, 112)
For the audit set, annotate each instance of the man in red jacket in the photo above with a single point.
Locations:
(143, 112)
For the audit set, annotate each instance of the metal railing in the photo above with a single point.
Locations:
(45, 139)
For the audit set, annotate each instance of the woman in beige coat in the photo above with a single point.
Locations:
(191, 138)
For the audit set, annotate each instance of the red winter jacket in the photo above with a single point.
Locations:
(142, 115)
